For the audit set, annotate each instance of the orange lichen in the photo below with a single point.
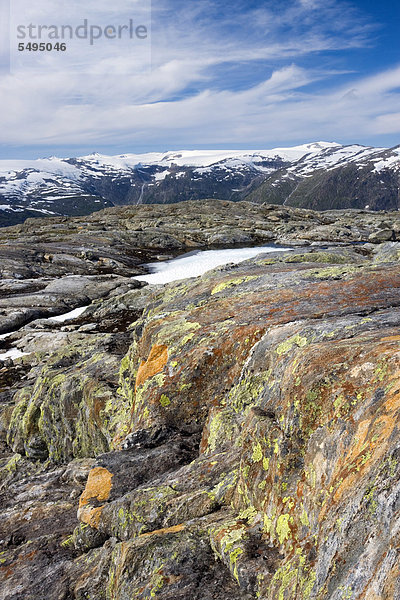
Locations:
(175, 529)
(98, 487)
(155, 363)
(391, 338)
(365, 443)
(90, 516)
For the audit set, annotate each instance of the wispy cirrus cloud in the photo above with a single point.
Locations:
(221, 73)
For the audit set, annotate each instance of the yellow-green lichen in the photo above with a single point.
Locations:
(320, 257)
(332, 272)
(165, 401)
(287, 345)
(282, 528)
(231, 283)
(265, 463)
(257, 453)
(233, 557)
(304, 518)
(248, 390)
(220, 429)
(249, 514)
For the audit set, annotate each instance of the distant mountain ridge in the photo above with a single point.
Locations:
(320, 175)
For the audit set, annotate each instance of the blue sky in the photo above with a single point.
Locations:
(213, 74)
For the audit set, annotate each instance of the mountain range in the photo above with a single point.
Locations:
(319, 175)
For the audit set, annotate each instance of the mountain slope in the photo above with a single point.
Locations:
(366, 179)
(321, 175)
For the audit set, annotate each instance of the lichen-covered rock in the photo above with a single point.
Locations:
(175, 563)
(38, 513)
(239, 438)
(73, 408)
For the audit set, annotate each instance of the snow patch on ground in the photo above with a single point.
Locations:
(388, 163)
(73, 314)
(199, 262)
(3, 336)
(161, 176)
(14, 353)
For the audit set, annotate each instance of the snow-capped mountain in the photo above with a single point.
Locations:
(72, 186)
(339, 178)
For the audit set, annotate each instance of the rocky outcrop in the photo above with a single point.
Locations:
(41, 298)
(234, 435)
(118, 240)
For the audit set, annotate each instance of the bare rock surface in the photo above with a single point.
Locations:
(117, 240)
(234, 435)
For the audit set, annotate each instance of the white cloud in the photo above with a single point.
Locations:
(106, 94)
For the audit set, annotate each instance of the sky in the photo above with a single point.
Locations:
(215, 74)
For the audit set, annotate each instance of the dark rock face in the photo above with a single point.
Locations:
(367, 180)
(344, 187)
(228, 436)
